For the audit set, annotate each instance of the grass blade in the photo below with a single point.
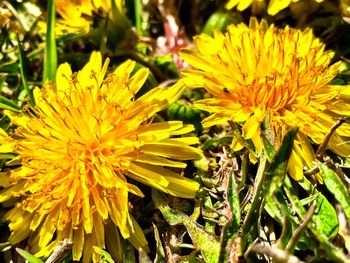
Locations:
(28, 256)
(138, 15)
(7, 104)
(50, 60)
(23, 71)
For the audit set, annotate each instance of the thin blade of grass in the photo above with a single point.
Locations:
(28, 256)
(50, 60)
(7, 104)
(23, 71)
(138, 15)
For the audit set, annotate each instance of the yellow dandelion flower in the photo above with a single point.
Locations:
(75, 15)
(259, 71)
(78, 15)
(75, 150)
(273, 8)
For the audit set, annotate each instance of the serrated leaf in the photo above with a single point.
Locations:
(207, 242)
(278, 168)
(31, 258)
(336, 187)
(270, 151)
(275, 174)
(324, 219)
(328, 226)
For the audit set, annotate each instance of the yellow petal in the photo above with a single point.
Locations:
(250, 127)
(178, 185)
(141, 171)
(295, 166)
(137, 238)
(99, 230)
(63, 78)
(156, 160)
(48, 228)
(78, 243)
(172, 150)
(277, 5)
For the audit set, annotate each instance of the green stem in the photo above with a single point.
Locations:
(138, 15)
(23, 70)
(250, 222)
(50, 60)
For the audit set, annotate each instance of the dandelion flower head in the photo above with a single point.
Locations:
(257, 71)
(74, 151)
(78, 15)
(273, 8)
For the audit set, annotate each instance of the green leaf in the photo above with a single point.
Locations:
(232, 226)
(50, 60)
(8, 104)
(23, 70)
(205, 241)
(275, 175)
(28, 256)
(325, 217)
(324, 220)
(270, 151)
(10, 67)
(275, 202)
(105, 256)
(208, 212)
(212, 143)
(220, 20)
(250, 227)
(336, 187)
(278, 168)
(167, 66)
(328, 225)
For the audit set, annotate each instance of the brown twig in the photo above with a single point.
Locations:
(322, 148)
(60, 251)
(277, 254)
(301, 228)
